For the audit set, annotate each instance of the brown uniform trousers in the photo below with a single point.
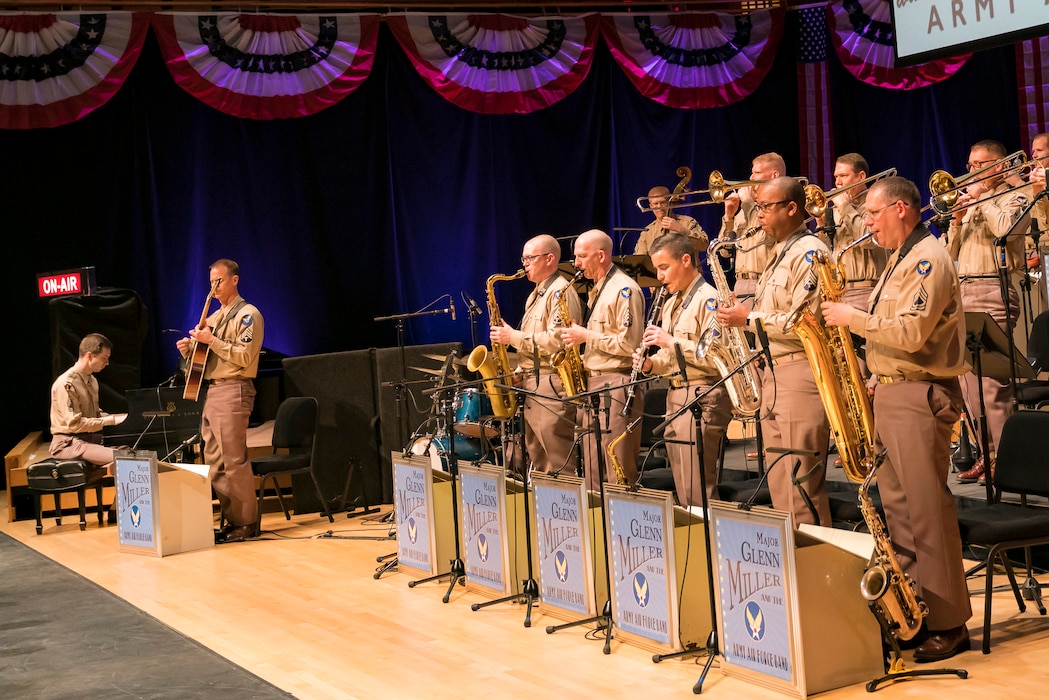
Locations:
(549, 426)
(224, 427)
(684, 458)
(627, 450)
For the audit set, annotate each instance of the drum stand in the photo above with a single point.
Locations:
(529, 588)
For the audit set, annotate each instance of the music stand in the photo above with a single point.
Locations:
(994, 357)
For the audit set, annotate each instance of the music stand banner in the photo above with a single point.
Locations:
(414, 513)
(640, 552)
(757, 600)
(136, 481)
(563, 550)
(482, 490)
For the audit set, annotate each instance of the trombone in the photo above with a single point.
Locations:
(816, 199)
(717, 186)
(946, 189)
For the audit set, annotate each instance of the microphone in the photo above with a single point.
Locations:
(471, 305)
(763, 339)
(682, 368)
(535, 359)
(451, 307)
(607, 402)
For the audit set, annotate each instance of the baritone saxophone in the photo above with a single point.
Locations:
(494, 366)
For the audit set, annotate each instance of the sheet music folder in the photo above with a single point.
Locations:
(993, 347)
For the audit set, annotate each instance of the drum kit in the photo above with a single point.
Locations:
(474, 426)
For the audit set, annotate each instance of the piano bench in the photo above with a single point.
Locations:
(58, 476)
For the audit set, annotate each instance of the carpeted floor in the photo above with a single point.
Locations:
(62, 636)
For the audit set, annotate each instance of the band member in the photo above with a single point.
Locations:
(792, 415)
(864, 262)
(741, 216)
(76, 419)
(1039, 218)
(611, 329)
(549, 423)
(971, 242)
(233, 335)
(668, 221)
(686, 314)
(915, 331)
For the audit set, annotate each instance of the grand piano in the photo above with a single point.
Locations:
(158, 419)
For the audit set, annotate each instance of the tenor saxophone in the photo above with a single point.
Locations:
(730, 349)
(653, 315)
(567, 362)
(884, 583)
(494, 366)
(837, 372)
(616, 465)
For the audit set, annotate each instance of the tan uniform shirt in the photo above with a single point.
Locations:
(971, 243)
(865, 262)
(751, 256)
(785, 287)
(915, 325)
(686, 324)
(615, 323)
(74, 405)
(654, 230)
(234, 353)
(542, 320)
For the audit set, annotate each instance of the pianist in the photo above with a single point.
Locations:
(76, 419)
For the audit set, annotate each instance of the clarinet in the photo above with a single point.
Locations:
(653, 314)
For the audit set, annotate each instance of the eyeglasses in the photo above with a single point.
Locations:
(526, 259)
(763, 208)
(978, 164)
(877, 212)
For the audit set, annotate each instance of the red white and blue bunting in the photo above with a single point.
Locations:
(863, 38)
(262, 66)
(694, 60)
(498, 64)
(55, 69)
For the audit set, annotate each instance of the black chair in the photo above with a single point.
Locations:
(1001, 527)
(653, 463)
(294, 429)
(58, 476)
(1034, 393)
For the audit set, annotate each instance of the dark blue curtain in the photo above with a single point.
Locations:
(394, 197)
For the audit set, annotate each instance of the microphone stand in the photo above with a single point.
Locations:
(529, 587)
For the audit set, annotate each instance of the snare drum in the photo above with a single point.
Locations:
(465, 449)
(473, 409)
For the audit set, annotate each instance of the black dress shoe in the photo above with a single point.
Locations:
(942, 645)
(237, 533)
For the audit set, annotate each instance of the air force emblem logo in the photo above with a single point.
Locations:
(923, 267)
(413, 530)
(755, 621)
(561, 566)
(809, 255)
(712, 304)
(641, 592)
(136, 516)
(482, 547)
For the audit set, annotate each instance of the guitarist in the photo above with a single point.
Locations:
(233, 336)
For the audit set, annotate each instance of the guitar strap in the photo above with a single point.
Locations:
(232, 314)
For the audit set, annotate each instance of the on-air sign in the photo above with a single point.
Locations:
(56, 284)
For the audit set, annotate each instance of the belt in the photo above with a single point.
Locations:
(679, 383)
(788, 357)
(226, 379)
(859, 283)
(974, 278)
(911, 377)
(748, 275)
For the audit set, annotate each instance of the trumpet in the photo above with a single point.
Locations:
(816, 199)
(946, 189)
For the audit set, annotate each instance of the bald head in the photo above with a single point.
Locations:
(542, 244)
(593, 253)
(596, 239)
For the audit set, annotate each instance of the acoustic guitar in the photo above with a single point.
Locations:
(198, 354)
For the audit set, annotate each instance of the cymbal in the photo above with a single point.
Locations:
(441, 358)
(427, 370)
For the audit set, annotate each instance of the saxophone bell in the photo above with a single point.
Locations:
(706, 340)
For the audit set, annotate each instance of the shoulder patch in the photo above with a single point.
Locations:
(809, 255)
(923, 267)
(625, 292)
(712, 304)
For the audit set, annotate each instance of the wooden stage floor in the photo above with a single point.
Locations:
(304, 611)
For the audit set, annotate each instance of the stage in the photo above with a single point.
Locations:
(301, 609)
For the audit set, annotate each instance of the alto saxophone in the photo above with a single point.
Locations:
(730, 349)
(886, 584)
(837, 371)
(494, 366)
(653, 315)
(617, 466)
(568, 362)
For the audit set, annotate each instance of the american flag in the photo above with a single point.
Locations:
(814, 118)
(1032, 77)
